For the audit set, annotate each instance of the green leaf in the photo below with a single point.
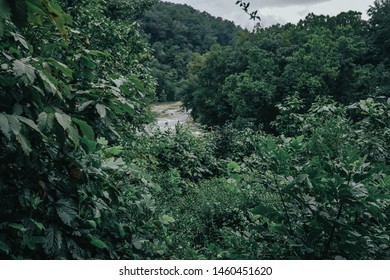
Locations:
(39, 225)
(92, 223)
(273, 227)
(85, 128)
(19, 12)
(4, 247)
(84, 105)
(53, 240)
(35, 12)
(98, 243)
(61, 67)
(8, 81)
(166, 219)
(18, 227)
(64, 120)
(266, 211)
(102, 141)
(45, 121)
(17, 109)
(114, 150)
(4, 13)
(24, 71)
(66, 210)
(4, 126)
(30, 123)
(14, 124)
(121, 230)
(24, 143)
(98, 53)
(90, 145)
(113, 163)
(19, 38)
(48, 82)
(58, 16)
(137, 241)
(233, 166)
(73, 134)
(101, 109)
(137, 82)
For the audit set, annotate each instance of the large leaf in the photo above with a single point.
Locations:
(112, 163)
(58, 16)
(53, 240)
(24, 71)
(91, 145)
(75, 249)
(30, 123)
(101, 109)
(137, 83)
(73, 134)
(98, 243)
(166, 219)
(4, 13)
(117, 150)
(4, 247)
(50, 83)
(4, 126)
(19, 38)
(66, 210)
(11, 123)
(14, 124)
(138, 241)
(35, 11)
(18, 12)
(45, 121)
(64, 120)
(61, 67)
(24, 143)
(85, 128)
(266, 211)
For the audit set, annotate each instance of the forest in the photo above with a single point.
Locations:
(293, 161)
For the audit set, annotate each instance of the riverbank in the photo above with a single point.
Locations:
(170, 114)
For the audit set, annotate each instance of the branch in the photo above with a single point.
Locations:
(244, 5)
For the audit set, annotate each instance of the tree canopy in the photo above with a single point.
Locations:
(336, 56)
(177, 32)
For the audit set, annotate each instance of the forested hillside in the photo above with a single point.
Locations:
(177, 33)
(342, 57)
(293, 163)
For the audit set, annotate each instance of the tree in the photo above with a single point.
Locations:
(69, 98)
(379, 27)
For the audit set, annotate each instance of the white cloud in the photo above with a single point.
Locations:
(284, 3)
(276, 11)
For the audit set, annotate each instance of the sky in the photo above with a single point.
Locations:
(277, 11)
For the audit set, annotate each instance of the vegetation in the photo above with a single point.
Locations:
(295, 164)
(339, 56)
(177, 33)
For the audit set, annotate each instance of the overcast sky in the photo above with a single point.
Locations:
(277, 11)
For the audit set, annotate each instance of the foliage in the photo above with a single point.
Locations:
(62, 91)
(81, 178)
(332, 201)
(176, 32)
(340, 56)
(245, 6)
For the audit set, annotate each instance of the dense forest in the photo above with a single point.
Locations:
(176, 34)
(293, 162)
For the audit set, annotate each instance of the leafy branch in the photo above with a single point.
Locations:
(245, 7)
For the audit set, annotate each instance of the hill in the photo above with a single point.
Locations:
(175, 32)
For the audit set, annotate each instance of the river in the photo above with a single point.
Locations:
(169, 114)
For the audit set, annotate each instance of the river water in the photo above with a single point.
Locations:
(169, 114)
